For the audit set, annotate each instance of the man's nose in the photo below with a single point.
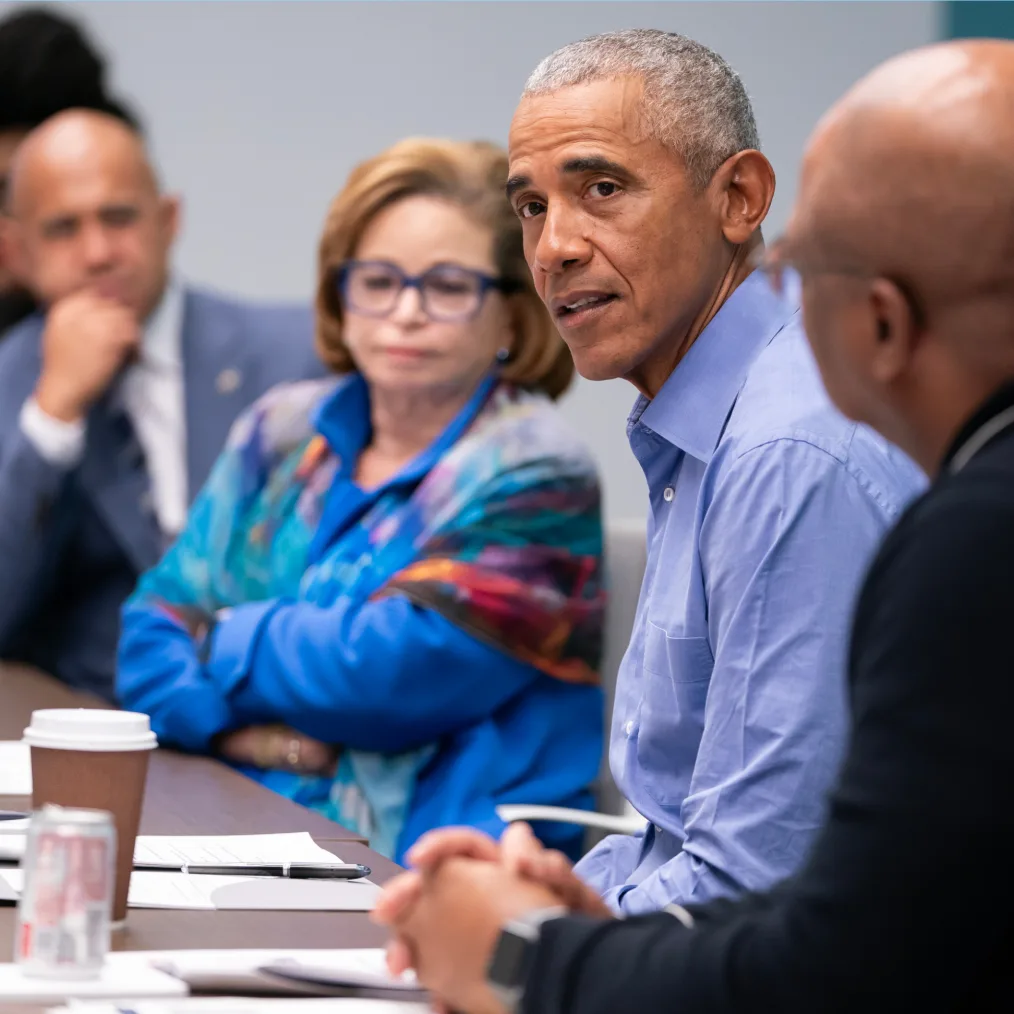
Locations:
(562, 242)
(99, 247)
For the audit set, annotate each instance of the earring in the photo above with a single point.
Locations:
(503, 355)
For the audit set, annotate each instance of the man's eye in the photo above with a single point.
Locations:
(530, 209)
(604, 188)
(60, 229)
(119, 218)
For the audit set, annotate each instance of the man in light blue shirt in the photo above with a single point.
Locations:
(635, 171)
(730, 712)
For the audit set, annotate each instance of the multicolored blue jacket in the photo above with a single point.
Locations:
(442, 630)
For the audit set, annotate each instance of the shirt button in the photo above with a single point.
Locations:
(629, 728)
(228, 381)
(668, 493)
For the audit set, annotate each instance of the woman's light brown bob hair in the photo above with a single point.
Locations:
(470, 175)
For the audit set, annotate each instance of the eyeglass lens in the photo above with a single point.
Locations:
(447, 292)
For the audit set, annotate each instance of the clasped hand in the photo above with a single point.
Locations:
(446, 914)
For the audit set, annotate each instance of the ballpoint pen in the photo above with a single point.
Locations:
(294, 871)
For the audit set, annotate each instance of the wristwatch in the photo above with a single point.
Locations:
(514, 953)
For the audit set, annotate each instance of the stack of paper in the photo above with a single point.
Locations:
(198, 891)
(229, 1005)
(155, 889)
(360, 972)
(133, 977)
(15, 769)
(124, 975)
(174, 851)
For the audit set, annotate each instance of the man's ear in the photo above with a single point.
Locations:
(12, 249)
(745, 186)
(895, 331)
(171, 212)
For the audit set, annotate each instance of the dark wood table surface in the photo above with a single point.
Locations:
(198, 795)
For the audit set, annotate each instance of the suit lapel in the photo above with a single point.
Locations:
(219, 382)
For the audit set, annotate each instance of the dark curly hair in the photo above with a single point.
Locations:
(48, 64)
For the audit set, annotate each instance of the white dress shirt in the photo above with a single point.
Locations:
(153, 398)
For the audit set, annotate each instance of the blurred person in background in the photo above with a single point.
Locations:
(386, 603)
(115, 396)
(47, 65)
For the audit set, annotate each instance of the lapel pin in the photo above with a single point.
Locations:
(227, 381)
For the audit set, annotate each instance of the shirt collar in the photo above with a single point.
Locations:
(343, 419)
(980, 429)
(162, 343)
(691, 409)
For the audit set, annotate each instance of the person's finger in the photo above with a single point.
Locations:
(518, 843)
(553, 870)
(544, 871)
(397, 899)
(559, 876)
(452, 843)
(545, 866)
(399, 956)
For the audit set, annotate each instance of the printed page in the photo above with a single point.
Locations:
(200, 892)
(173, 851)
(15, 769)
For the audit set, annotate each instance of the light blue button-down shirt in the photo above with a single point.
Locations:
(730, 713)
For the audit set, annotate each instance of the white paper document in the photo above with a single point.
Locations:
(247, 1005)
(124, 975)
(157, 889)
(226, 963)
(173, 851)
(15, 769)
(352, 959)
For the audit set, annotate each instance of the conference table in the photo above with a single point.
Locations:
(198, 795)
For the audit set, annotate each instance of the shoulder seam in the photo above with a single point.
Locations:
(858, 476)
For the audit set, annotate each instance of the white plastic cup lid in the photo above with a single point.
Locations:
(93, 729)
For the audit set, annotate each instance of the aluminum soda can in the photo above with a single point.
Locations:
(66, 901)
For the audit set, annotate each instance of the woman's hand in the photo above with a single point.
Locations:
(278, 748)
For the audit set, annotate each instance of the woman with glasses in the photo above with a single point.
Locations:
(387, 603)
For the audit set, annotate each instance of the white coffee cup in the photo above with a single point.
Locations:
(94, 759)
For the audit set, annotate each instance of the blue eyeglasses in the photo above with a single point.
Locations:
(447, 292)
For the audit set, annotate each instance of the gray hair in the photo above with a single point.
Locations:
(694, 102)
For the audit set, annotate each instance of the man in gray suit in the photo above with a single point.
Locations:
(115, 400)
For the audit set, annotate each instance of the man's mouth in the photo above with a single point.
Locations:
(580, 304)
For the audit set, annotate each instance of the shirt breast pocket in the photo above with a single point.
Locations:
(677, 677)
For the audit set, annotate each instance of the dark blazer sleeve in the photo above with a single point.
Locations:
(906, 901)
(29, 487)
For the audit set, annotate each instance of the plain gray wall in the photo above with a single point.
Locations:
(258, 110)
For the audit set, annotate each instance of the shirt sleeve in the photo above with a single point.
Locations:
(783, 546)
(59, 443)
(385, 675)
(159, 674)
(898, 907)
(158, 668)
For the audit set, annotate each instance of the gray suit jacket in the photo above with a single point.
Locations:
(73, 543)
